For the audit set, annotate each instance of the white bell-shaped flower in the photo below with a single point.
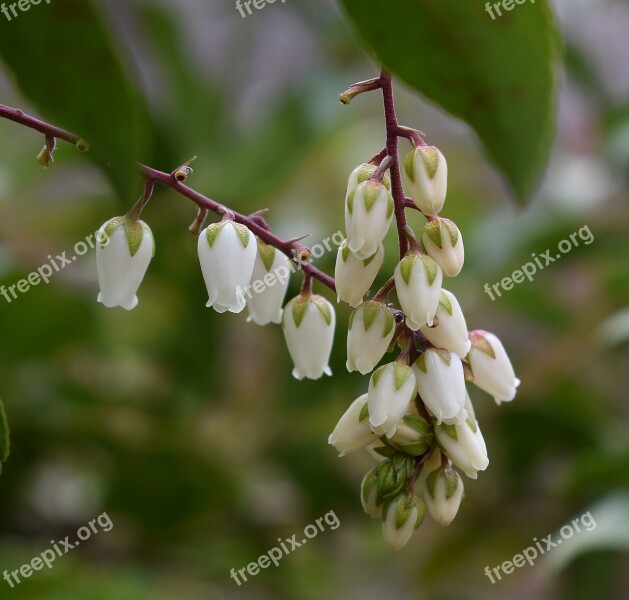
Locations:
(227, 253)
(442, 491)
(391, 390)
(426, 172)
(353, 431)
(368, 215)
(491, 367)
(269, 283)
(418, 280)
(354, 276)
(371, 329)
(308, 323)
(369, 496)
(363, 173)
(400, 518)
(449, 331)
(123, 253)
(441, 384)
(464, 445)
(443, 241)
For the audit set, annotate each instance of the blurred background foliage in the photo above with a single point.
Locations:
(186, 426)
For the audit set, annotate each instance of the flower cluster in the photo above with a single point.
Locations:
(417, 418)
(232, 260)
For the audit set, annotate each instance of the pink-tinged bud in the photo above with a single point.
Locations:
(491, 367)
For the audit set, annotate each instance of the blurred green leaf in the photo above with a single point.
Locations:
(4, 436)
(64, 63)
(497, 75)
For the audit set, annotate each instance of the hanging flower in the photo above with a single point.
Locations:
(418, 281)
(450, 329)
(443, 241)
(354, 276)
(353, 431)
(227, 252)
(491, 367)
(269, 283)
(371, 329)
(426, 172)
(368, 216)
(308, 324)
(123, 253)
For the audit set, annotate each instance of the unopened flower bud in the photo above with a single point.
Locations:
(400, 518)
(491, 367)
(123, 253)
(370, 498)
(368, 215)
(391, 389)
(443, 492)
(443, 241)
(450, 329)
(465, 446)
(269, 283)
(393, 475)
(308, 322)
(353, 431)
(363, 173)
(227, 253)
(427, 178)
(418, 280)
(354, 276)
(371, 329)
(413, 435)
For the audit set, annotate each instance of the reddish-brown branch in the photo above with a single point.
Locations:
(255, 223)
(393, 131)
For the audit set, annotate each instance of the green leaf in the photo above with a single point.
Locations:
(497, 75)
(4, 436)
(64, 63)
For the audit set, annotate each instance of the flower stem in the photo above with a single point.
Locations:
(255, 223)
(393, 130)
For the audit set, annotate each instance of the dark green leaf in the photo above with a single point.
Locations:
(497, 75)
(64, 63)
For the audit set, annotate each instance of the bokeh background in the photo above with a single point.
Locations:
(186, 427)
